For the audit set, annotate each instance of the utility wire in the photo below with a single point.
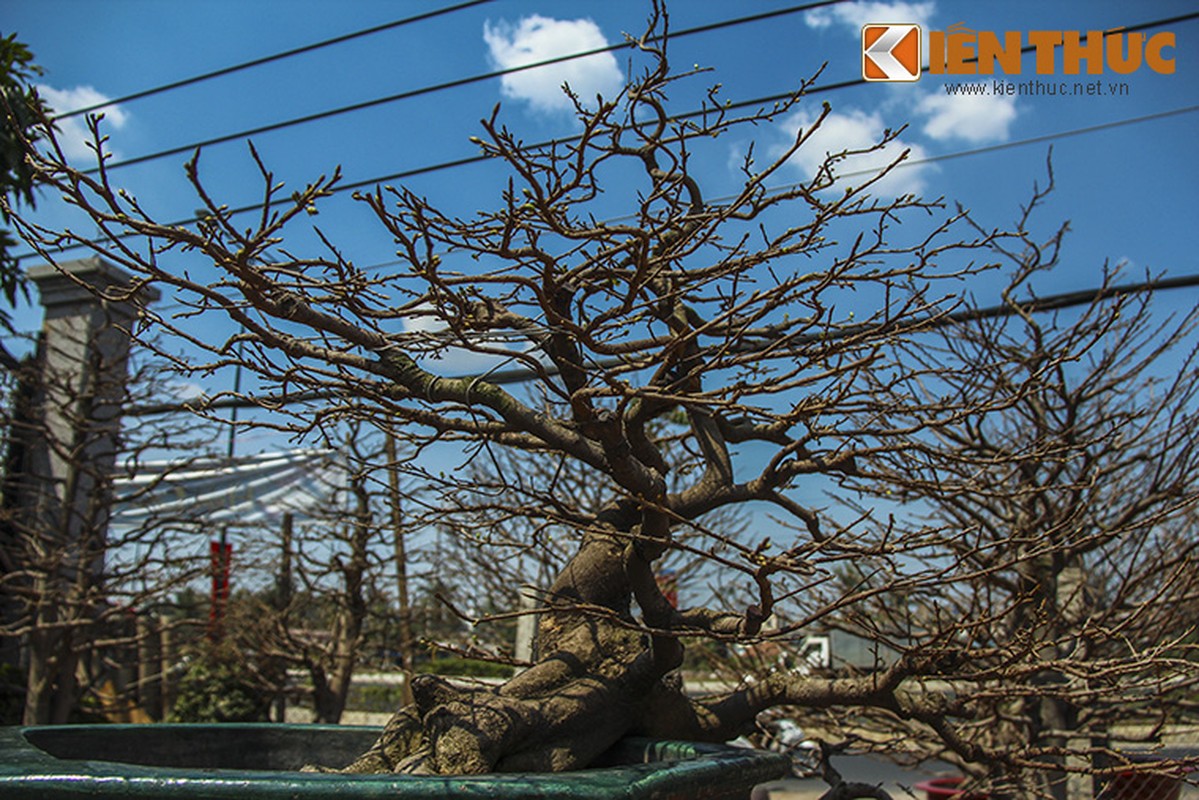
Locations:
(258, 62)
(756, 102)
(1045, 137)
(760, 101)
(942, 157)
(342, 188)
(434, 88)
(832, 87)
(441, 87)
(1035, 305)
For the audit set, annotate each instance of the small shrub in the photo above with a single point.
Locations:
(219, 687)
(465, 667)
(375, 697)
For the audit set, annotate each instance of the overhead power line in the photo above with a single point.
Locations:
(1035, 305)
(258, 62)
(991, 148)
(446, 85)
(346, 187)
(833, 87)
(755, 102)
(773, 98)
(446, 165)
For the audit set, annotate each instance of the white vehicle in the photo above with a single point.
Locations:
(815, 653)
(785, 736)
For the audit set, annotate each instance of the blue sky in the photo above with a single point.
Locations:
(1130, 192)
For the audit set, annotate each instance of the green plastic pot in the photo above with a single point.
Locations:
(261, 762)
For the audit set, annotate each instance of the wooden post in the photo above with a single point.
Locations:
(148, 668)
(166, 679)
(407, 637)
(283, 603)
(285, 588)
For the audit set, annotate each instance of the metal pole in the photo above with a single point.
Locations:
(221, 559)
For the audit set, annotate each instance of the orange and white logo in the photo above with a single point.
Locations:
(891, 52)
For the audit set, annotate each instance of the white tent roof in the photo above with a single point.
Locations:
(248, 489)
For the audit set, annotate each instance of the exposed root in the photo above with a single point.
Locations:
(598, 680)
(560, 714)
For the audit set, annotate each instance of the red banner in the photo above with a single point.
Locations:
(222, 559)
(668, 584)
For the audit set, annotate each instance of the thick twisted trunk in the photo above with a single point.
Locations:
(601, 677)
(589, 688)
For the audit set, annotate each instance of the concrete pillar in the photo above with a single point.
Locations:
(526, 624)
(90, 306)
(63, 447)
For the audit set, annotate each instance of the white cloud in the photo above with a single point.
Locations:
(450, 360)
(970, 118)
(855, 15)
(73, 134)
(185, 390)
(856, 130)
(538, 38)
(423, 320)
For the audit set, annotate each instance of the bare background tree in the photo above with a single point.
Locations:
(1059, 530)
(322, 616)
(789, 332)
(82, 598)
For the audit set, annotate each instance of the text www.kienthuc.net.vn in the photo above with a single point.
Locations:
(1038, 88)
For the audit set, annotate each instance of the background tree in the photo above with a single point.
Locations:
(732, 316)
(320, 617)
(82, 597)
(1062, 515)
(221, 686)
(23, 111)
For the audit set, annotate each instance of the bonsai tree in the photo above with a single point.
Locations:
(692, 355)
